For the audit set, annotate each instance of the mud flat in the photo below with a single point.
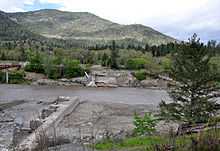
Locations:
(95, 120)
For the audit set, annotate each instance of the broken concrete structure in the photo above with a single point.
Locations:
(63, 109)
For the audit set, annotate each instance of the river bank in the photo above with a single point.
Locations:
(99, 76)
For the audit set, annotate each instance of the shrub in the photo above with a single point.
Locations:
(72, 68)
(144, 125)
(136, 63)
(140, 75)
(52, 67)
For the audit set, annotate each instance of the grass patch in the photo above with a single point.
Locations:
(148, 143)
(129, 142)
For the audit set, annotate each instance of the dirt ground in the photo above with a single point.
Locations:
(94, 119)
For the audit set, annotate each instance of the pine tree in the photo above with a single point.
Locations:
(193, 94)
(105, 60)
(114, 56)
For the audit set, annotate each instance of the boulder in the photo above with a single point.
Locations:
(61, 99)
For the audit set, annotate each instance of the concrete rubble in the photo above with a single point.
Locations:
(103, 77)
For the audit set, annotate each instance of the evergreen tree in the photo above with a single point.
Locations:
(3, 56)
(114, 56)
(105, 60)
(147, 47)
(193, 94)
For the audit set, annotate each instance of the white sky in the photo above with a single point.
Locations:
(177, 18)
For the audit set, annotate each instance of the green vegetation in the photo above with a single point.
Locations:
(144, 125)
(53, 65)
(204, 141)
(139, 142)
(114, 56)
(215, 61)
(166, 64)
(140, 75)
(136, 63)
(72, 68)
(35, 62)
(15, 77)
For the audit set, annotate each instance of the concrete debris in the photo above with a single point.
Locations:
(61, 99)
(19, 134)
(47, 112)
(4, 118)
(34, 124)
(54, 117)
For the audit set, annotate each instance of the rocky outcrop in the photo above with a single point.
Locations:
(153, 83)
(115, 78)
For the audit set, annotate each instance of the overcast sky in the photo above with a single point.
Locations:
(177, 18)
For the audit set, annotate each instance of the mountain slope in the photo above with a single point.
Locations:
(84, 26)
(9, 30)
(54, 22)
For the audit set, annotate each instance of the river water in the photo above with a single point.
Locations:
(115, 95)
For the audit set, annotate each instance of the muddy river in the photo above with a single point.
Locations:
(117, 95)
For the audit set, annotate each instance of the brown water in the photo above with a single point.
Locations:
(118, 95)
